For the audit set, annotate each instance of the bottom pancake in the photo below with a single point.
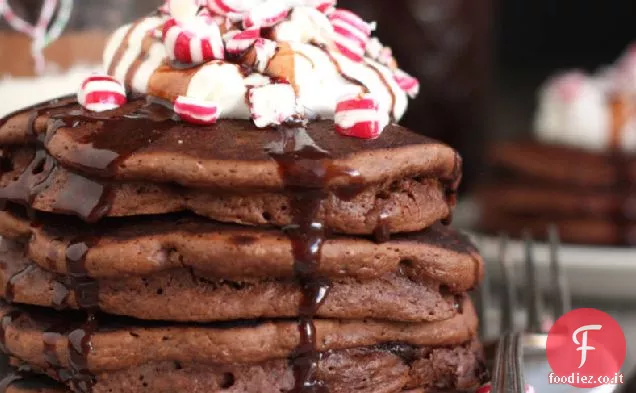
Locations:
(389, 368)
(41, 337)
(124, 355)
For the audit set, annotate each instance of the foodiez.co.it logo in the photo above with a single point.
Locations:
(586, 348)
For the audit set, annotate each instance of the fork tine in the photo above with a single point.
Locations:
(482, 297)
(533, 291)
(508, 295)
(508, 374)
(561, 293)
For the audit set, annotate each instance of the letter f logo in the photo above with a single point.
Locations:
(583, 343)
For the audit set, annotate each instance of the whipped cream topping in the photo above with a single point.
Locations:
(298, 48)
(590, 111)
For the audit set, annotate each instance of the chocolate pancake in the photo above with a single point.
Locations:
(393, 367)
(579, 230)
(588, 195)
(168, 295)
(142, 141)
(564, 165)
(37, 181)
(147, 245)
(528, 198)
(40, 337)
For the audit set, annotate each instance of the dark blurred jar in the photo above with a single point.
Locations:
(447, 45)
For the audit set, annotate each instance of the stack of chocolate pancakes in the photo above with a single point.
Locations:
(143, 254)
(587, 194)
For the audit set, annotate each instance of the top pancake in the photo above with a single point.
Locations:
(142, 141)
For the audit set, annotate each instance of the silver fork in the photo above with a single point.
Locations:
(507, 371)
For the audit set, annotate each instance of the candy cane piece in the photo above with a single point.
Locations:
(238, 41)
(196, 43)
(324, 6)
(196, 111)
(409, 84)
(222, 7)
(266, 15)
(352, 33)
(101, 93)
(360, 116)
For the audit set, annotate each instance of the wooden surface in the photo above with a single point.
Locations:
(83, 48)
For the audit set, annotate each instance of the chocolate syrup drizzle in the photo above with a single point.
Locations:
(88, 199)
(307, 170)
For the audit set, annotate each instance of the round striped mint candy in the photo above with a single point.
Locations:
(410, 85)
(195, 43)
(360, 116)
(238, 41)
(266, 14)
(100, 93)
(352, 33)
(196, 111)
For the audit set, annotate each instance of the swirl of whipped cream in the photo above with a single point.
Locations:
(301, 52)
(585, 111)
(593, 112)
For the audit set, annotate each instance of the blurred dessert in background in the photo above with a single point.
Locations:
(579, 170)
(48, 47)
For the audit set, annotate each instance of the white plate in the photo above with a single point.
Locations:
(592, 272)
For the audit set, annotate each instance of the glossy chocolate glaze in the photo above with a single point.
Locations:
(305, 155)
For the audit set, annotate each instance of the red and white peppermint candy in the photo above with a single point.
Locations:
(223, 7)
(360, 116)
(238, 41)
(101, 93)
(352, 33)
(409, 84)
(196, 111)
(266, 14)
(196, 43)
(324, 6)
(265, 50)
(272, 105)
